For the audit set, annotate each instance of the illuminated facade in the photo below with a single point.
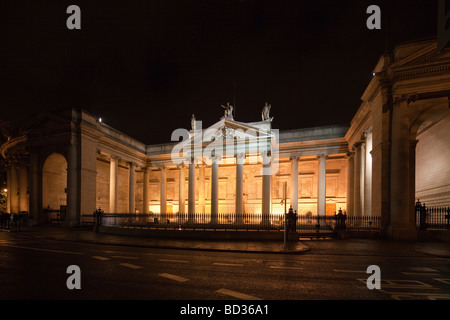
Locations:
(377, 166)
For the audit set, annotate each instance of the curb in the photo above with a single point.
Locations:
(172, 247)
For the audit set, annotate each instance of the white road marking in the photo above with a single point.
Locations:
(100, 258)
(351, 271)
(228, 264)
(176, 261)
(286, 268)
(446, 281)
(237, 295)
(422, 269)
(125, 257)
(40, 249)
(129, 265)
(421, 274)
(173, 277)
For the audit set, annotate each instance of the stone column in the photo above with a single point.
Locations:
(113, 183)
(362, 177)
(23, 186)
(350, 183)
(146, 189)
(72, 217)
(357, 206)
(13, 192)
(321, 192)
(239, 205)
(266, 189)
(163, 194)
(294, 183)
(8, 187)
(201, 188)
(191, 191)
(412, 181)
(215, 190)
(181, 192)
(131, 189)
(368, 174)
(400, 225)
(34, 187)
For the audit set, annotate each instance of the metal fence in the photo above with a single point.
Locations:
(12, 221)
(303, 224)
(432, 217)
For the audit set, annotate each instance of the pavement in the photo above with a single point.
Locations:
(376, 247)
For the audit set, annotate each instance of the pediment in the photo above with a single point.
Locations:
(225, 138)
(44, 120)
(426, 56)
(231, 130)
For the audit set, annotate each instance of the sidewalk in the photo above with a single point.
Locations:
(88, 236)
(376, 247)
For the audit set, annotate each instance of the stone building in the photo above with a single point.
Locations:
(395, 150)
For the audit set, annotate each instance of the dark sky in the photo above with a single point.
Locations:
(146, 66)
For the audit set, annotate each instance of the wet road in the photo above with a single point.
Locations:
(37, 269)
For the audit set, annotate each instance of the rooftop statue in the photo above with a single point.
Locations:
(193, 123)
(265, 112)
(228, 111)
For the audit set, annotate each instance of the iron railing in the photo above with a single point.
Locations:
(303, 224)
(432, 217)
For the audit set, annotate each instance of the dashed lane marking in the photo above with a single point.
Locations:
(130, 265)
(237, 295)
(446, 281)
(173, 277)
(420, 274)
(350, 271)
(100, 258)
(171, 260)
(285, 268)
(40, 249)
(228, 264)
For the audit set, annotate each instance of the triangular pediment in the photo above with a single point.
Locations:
(228, 129)
(424, 56)
(44, 120)
(225, 138)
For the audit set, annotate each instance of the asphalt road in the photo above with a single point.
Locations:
(37, 269)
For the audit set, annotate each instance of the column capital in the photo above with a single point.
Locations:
(114, 157)
(215, 158)
(132, 164)
(322, 155)
(267, 157)
(181, 165)
(356, 145)
(294, 158)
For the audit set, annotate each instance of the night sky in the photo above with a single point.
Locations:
(146, 66)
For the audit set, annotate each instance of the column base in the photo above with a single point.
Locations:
(401, 233)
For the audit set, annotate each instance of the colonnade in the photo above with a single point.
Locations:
(17, 185)
(359, 177)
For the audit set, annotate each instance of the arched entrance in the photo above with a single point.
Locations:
(432, 160)
(431, 169)
(54, 188)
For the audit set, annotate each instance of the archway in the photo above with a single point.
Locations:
(432, 158)
(431, 170)
(54, 187)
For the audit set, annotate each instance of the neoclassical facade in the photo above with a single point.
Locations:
(393, 151)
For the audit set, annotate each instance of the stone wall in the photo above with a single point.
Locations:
(433, 164)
